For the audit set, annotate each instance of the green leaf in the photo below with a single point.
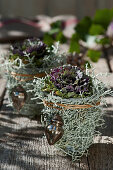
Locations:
(48, 39)
(70, 94)
(103, 41)
(88, 64)
(83, 27)
(57, 24)
(74, 47)
(60, 37)
(58, 93)
(111, 11)
(96, 29)
(103, 17)
(74, 44)
(75, 37)
(54, 31)
(14, 56)
(94, 55)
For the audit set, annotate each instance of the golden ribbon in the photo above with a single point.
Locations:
(68, 106)
(31, 76)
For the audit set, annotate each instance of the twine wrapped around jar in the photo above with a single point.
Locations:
(68, 106)
(20, 78)
(27, 77)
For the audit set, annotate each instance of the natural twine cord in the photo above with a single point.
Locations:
(68, 106)
(31, 76)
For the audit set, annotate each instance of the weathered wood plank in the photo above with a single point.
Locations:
(22, 145)
(101, 3)
(80, 8)
(3, 50)
(2, 89)
(101, 156)
(25, 8)
(92, 6)
(61, 7)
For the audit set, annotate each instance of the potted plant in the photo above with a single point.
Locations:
(72, 108)
(26, 60)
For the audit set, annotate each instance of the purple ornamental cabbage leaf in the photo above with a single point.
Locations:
(32, 47)
(69, 81)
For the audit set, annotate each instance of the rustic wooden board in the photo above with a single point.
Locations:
(23, 147)
(101, 157)
(3, 50)
(2, 89)
(80, 8)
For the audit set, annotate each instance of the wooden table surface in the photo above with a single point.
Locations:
(23, 146)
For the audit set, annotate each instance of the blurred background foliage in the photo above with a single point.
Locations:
(90, 38)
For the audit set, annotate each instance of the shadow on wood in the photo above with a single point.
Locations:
(101, 157)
